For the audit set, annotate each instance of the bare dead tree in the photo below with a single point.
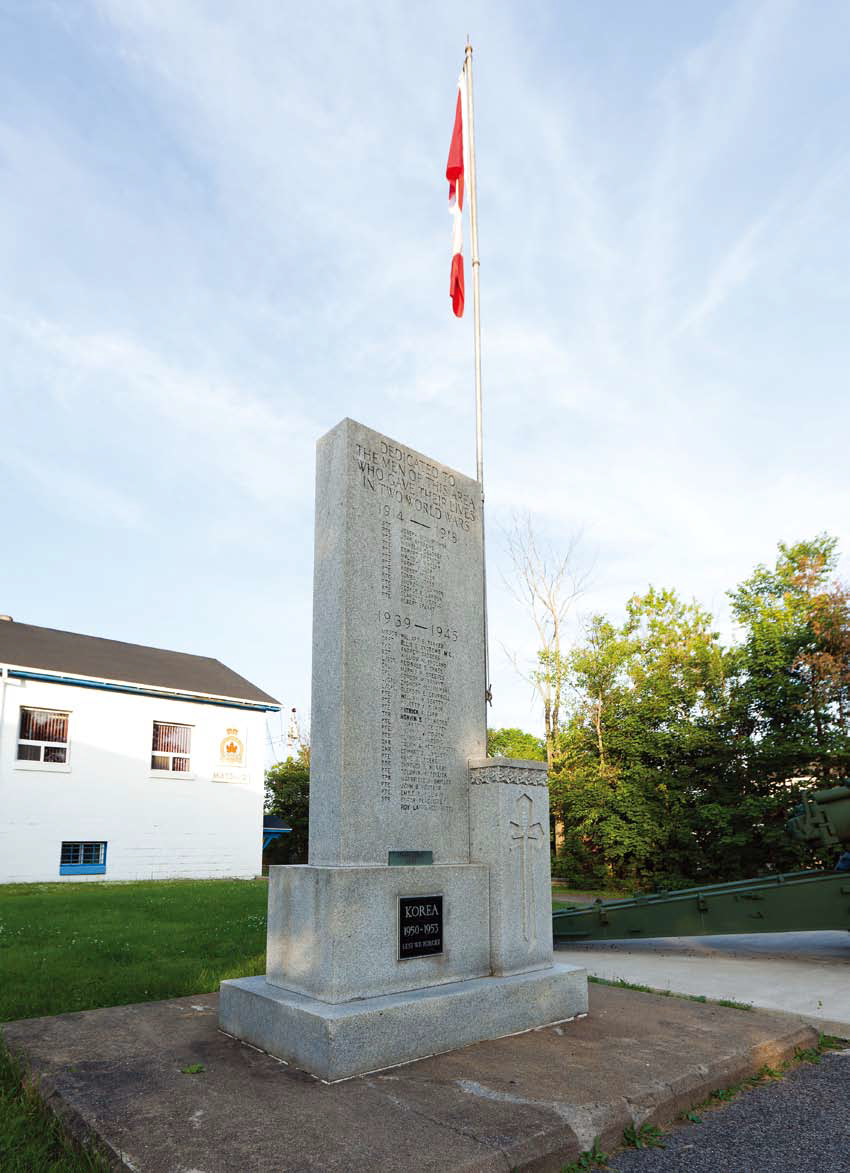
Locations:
(547, 584)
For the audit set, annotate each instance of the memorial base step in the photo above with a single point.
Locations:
(335, 1041)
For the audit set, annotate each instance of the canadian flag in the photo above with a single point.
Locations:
(455, 170)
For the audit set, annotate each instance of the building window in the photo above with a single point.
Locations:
(82, 859)
(43, 736)
(171, 747)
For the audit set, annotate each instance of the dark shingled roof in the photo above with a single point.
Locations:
(89, 656)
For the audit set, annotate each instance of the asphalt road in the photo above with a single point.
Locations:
(799, 1124)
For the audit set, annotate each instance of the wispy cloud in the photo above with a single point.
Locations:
(72, 491)
(245, 438)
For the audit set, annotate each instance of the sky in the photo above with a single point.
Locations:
(224, 227)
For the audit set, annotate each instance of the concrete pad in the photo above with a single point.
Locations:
(803, 974)
(533, 1101)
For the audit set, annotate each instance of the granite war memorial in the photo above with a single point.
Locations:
(422, 921)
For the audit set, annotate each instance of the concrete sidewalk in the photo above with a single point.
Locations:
(804, 974)
(532, 1101)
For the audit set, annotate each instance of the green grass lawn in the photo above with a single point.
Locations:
(79, 946)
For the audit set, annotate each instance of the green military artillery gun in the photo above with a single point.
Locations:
(823, 817)
(793, 902)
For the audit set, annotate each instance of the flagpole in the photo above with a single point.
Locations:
(476, 300)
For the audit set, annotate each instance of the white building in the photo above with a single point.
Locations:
(125, 762)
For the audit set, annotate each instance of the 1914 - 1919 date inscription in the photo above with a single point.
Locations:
(420, 926)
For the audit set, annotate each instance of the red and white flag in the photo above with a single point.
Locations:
(456, 169)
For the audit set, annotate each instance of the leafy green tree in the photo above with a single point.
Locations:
(515, 743)
(681, 760)
(288, 797)
(643, 734)
(793, 695)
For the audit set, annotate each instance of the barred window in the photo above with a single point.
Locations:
(79, 854)
(43, 736)
(171, 747)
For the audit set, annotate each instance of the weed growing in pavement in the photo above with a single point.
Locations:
(192, 1069)
(645, 1137)
(723, 1094)
(592, 1158)
(831, 1043)
(807, 1055)
(622, 984)
(825, 1044)
(765, 1074)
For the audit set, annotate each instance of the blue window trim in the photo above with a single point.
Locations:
(85, 869)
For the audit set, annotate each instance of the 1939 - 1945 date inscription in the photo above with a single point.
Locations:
(437, 630)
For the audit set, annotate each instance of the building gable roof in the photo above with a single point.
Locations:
(91, 657)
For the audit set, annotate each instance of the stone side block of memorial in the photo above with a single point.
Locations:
(398, 651)
(338, 934)
(509, 832)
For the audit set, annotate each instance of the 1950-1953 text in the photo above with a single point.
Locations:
(420, 926)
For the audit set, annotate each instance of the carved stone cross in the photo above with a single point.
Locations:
(526, 835)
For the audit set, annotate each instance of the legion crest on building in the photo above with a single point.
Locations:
(232, 749)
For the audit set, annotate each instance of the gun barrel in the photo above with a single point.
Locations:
(823, 817)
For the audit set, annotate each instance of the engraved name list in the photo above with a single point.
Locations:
(426, 520)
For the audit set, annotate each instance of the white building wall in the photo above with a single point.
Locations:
(179, 825)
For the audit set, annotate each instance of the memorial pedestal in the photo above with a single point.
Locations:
(335, 1041)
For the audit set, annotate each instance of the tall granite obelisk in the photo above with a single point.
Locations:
(398, 652)
(422, 921)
